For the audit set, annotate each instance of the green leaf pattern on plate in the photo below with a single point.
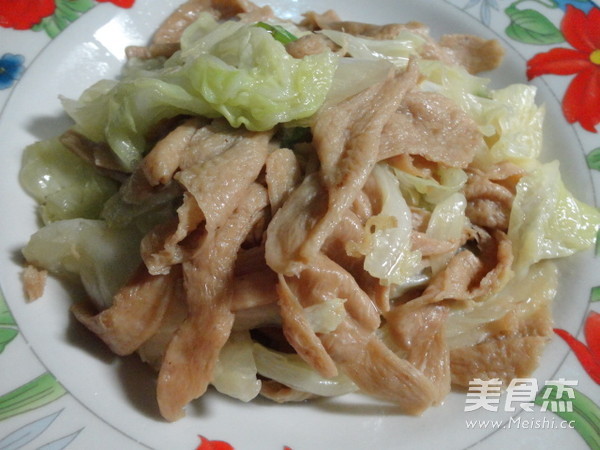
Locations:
(585, 415)
(40, 391)
(531, 27)
(67, 11)
(8, 326)
(593, 159)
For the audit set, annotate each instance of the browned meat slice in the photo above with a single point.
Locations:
(255, 13)
(283, 174)
(232, 8)
(434, 127)
(490, 196)
(347, 138)
(164, 159)
(331, 21)
(314, 21)
(505, 359)
(98, 154)
(420, 334)
(160, 248)
(351, 230)
(377, 370)
(429, 246)
(289, 228)
(254, 289)
(165, 50)
(496, 255)
(489, 204)
(34, 282)
(219, 183)
(280, 393)
(362, 206)
(211, 141)
(323, 279)
(474, 53)
(468, 277)
(512, 350)
(192, 353)
(505, 173)
(383, 32)
(413, 164)
(136, 313)
(299, 334)
(153, 350)
(310, 44)
(172, 28)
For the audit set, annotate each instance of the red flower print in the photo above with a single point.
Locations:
(119, 3)
(588, 355)
(581, 102)
(206, 444)
(24, 14)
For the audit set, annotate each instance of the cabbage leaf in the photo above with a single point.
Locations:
(547, 221)
(447, 223)
(87, 249)
(387, 236)
(290, 370)
(63, 184)
(235, 70)
(235, 371)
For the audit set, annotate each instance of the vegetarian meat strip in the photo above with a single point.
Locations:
(347, 139)
(218, 184)
(299, 334)
(377, 370)
(420, 333)
(161, 247)
(283, 175)
(431, 125)
(191, 355)
(136, 313)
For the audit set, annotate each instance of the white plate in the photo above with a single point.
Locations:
(101, 401)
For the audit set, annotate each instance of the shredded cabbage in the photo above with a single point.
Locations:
(354, 75)
(397, 51)
(62, 183)
(388, 254)
(326, 316)
(521, 296)
(447, 223)
(508, 117)
(290, 370)
(546, 221)
(235, 371)
(87, 248)
(235, 70)
(421, 191)
(517, 122)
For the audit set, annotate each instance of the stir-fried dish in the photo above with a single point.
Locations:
(300, 210)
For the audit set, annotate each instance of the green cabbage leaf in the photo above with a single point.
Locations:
(63, 184)
(231, 69)
(547, 221)
(87, 249)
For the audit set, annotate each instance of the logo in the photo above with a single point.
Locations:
(521, 393)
